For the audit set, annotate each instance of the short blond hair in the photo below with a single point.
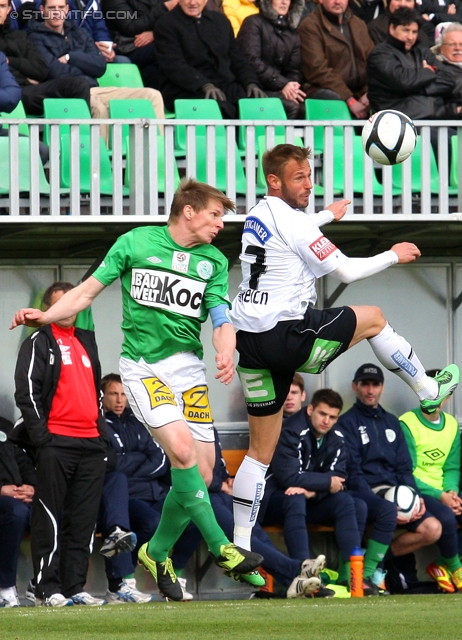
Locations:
(198, 195)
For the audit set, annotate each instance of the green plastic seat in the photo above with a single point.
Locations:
(17, 113)
(325, 110)
(24, 163)
(125, 109)
(121, 75)
(416, 170)
(358, 166)
(260, 109)
(105, 169)
(454, 169)
(65, 109)
(221, 162)
(199, 109)
(160, 167)
(261, 186)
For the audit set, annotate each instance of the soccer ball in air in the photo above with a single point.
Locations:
(406, 498)
(389, 137)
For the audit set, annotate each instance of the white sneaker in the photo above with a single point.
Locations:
(30, 591)
(85, 598)
(56, 600)
(128, 593)
(9, 597)
(302, 587)
(186, 594)
(312, 568)
(118, 542)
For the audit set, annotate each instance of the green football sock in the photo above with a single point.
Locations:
(452, 563)
(343, 571)
(375, 553)
(187, 500)
(192, 492)
(130, 575)
(173, 522)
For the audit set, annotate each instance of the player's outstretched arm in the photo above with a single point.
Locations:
(353, 269)
(68, 305)
(224, 341)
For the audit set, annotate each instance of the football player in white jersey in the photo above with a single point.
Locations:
(278, 329)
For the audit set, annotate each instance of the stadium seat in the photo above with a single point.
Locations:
(358, 167)
(416, 169)
(221, 162)
(160, 167)
(454, 169)
(326, 110)
(24, 163)
(127, 109)
(199, 109)
(121, 75)
(105, 169)
(260, 109)
(17, 113)
(65, 109)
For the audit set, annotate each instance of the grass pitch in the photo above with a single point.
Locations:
(401, 618)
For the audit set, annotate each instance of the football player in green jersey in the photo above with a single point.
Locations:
(172, 278)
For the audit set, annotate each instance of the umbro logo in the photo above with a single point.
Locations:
(434, 454)
(200, 494)
(154, 260)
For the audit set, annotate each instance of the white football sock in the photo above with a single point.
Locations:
(249, 486)
(397, 355)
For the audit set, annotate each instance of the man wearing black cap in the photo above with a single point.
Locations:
(379, 459)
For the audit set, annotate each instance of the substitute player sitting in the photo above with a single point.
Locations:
(279, 330)
(172, 278)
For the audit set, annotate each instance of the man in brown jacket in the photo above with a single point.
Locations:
(335, 45)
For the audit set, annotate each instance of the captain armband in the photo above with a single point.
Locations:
(220, 315)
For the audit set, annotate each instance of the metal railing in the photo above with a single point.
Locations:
(340, 170)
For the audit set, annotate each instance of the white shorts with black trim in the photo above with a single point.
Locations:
(169, 390)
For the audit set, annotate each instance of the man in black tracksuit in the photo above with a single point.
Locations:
(57, 391)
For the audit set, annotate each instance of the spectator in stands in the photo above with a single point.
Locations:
(433, 440)
(238, 10)
(379, 458)
(296, 396)
(269, 40)
(435, 12)
(57, 391)
(368, 10)
(378, 28)
(405, 76)
(131, 24)
(133, 495)
(449, 49)
(10, 91)
(31, 71)
(17, 487)
(199, 58)
(69, 51)
(335, 45)
(311, 463)
(300, 577)
(84, 13)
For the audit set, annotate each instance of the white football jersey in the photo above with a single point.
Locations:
(283, 252)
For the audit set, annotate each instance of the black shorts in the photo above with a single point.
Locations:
(268, 360)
